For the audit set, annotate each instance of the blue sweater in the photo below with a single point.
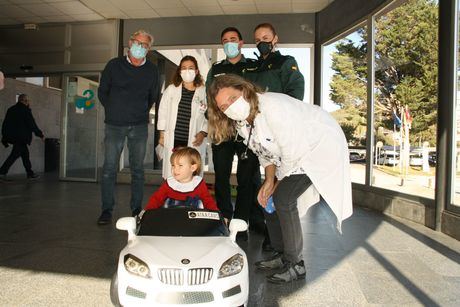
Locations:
(127, 92)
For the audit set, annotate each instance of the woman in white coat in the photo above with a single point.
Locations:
(299, 145)
(181, 114)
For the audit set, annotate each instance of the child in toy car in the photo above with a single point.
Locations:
(185, 187)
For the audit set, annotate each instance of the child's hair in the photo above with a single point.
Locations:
(191, 153)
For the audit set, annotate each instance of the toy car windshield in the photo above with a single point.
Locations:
(182, 222)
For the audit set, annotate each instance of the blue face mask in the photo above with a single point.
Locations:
(231, 50)
(137, 51)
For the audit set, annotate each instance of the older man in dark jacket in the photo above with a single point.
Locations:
(17, 129)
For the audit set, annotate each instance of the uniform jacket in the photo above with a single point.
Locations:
(280, 74)
(19, 124)
(245, 68)
(167, 117)
(307, 138)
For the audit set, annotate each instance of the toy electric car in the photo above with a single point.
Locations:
(181, 256)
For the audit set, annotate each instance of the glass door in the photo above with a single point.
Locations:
(80, 113)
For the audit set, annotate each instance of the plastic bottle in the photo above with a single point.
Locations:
(270, 207)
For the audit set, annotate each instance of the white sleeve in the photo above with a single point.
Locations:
(163, 109)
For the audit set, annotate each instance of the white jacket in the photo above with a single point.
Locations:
(307, 137)
(167, 116)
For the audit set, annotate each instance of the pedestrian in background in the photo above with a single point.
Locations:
(17, 129)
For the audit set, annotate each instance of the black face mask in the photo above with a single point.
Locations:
(264, 47)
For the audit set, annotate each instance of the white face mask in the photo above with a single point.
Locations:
(239, 110)
(188, 75)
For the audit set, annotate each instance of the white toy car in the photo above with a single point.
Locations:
(181, 256)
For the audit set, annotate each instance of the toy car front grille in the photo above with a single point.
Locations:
(199, 276)
(184, 298)
(173, 277)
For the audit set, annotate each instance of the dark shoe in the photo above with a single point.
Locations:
(266, 244)
(5, 179)
(242, 236)
(33, 176)
(290, 273)
(136, 212)
(274, 262)
(105, 218)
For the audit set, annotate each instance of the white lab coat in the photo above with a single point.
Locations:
(167, 116)
(305, 136)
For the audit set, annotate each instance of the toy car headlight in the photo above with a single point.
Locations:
(231, 266)
(136, 266)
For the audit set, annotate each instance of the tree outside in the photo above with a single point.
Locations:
(406, 58)
(405, 95)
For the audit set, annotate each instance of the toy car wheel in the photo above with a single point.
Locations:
(114, 290)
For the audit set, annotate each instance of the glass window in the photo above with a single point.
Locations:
(344, 94)
(456, 152)
(405, 97)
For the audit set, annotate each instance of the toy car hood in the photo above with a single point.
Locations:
(176, 251)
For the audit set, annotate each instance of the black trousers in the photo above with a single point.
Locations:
(19, 150)
(246, 174)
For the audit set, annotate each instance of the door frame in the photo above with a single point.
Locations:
(64, 121)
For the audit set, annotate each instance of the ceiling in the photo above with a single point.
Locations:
(41, 11)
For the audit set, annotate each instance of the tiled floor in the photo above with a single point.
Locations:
(52, 253)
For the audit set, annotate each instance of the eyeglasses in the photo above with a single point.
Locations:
(145, 45)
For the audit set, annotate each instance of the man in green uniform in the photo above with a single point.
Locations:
(223, 153)
(276, 73)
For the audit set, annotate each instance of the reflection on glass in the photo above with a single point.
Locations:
(81, 127)
(344, 94)
(405, 94)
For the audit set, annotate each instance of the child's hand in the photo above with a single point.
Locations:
(226, 221)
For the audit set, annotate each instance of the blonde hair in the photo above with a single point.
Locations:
(191, 154)
(143, 32)
(220, 127)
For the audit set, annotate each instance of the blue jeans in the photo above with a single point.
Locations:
(114, 142)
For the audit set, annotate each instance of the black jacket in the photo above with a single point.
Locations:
(18, 125)
(244, 68)
(127, 92)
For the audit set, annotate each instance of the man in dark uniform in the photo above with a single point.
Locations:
(17, 129)
(276, 72)
(223, 153)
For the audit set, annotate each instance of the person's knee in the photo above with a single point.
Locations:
(284, 201)
(137, 174)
